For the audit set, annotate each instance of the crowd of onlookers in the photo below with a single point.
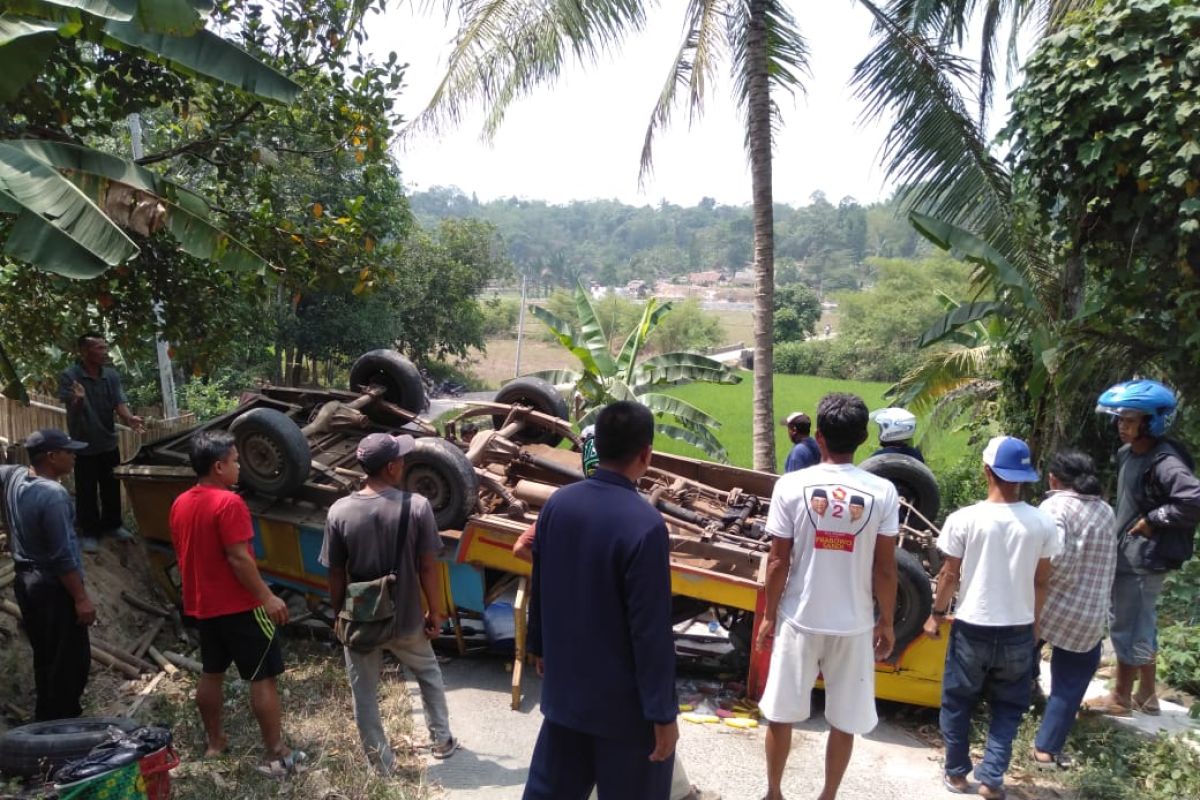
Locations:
(1014, 579)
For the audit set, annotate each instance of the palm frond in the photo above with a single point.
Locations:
(934, 147)
(506, 48)
(693, 68)
(940, 373)
(786, 54)
(996, 271)
(964, 314)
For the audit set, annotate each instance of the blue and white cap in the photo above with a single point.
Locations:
(1010, 459)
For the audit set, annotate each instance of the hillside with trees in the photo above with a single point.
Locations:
(822, 244)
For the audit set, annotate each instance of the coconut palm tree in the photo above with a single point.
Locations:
(506, 48)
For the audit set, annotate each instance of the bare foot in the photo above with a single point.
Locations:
(217, 748)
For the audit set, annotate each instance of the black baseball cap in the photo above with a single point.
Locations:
(48, 439)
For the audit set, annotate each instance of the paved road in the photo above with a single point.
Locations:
(497, 743)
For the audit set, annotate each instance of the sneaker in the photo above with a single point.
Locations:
(445, 749)
(89, 544)
(123, 534)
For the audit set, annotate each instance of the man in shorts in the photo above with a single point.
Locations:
(825, 563)
(236, 613)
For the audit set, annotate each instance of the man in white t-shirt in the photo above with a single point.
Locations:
(833, 529)
(997, 555)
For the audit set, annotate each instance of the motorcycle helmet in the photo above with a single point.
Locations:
(895, 424)
(1150, 398)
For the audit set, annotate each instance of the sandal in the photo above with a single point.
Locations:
(992, 792)
(956, 784)
(1149, 706)
(283, 766)
(1107, 705)
(1053, 761)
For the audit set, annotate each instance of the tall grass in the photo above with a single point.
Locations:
(734, 406)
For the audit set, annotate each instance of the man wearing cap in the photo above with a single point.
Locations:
(372, 533)
(997, 557)
(55, 606)
(93, 395)
(804, 451)
(235, 611)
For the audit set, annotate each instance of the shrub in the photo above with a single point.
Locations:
(960, 485)
(799, 358)
(499, 317)
(1179, 656)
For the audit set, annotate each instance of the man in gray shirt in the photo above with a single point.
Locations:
(55, 606)
(93, 395)
(367, 537)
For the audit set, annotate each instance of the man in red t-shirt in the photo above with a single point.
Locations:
(235, 611)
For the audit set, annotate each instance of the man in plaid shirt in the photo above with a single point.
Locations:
(1076, 608)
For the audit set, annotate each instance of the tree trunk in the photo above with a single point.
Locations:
(759, 140)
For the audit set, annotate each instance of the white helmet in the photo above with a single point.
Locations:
(895, 424)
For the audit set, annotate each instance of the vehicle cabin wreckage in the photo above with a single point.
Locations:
(487, 476)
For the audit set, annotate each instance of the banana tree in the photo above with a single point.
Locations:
(67, 206)
(603, 378)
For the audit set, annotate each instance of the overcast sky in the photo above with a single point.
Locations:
(581, 138)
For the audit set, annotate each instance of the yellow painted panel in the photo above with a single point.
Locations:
(713, 589)
(490, 548)
(281, 547)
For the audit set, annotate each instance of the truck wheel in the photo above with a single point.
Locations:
(541, 396)
(273, 451)
(393, 372)
(441, 473)
(913, 481)
(42, 747)
(914, 600)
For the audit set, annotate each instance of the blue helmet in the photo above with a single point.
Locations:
(1150, 398)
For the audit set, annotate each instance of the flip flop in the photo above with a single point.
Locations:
(1149, 706)
(990, 793)
(283, 766)
(954, 788)
(1057, 761)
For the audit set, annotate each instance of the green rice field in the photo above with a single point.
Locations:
(733, 405)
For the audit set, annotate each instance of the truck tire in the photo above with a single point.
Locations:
(914, 601)
(913, 480)
(441, 473)
(396, 374)
(42, 747)
(541, 396)
(273, 452)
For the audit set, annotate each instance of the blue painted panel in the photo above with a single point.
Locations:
(310, 551)
(466, 584)
(260, 552)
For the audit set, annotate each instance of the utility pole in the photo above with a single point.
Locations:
(166, 379)
(520, 327)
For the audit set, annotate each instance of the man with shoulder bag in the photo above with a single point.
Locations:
(381, 547)
(1157, 510)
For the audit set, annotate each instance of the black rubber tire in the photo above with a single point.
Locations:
(541, 396)
(441, 473)
(914, 600)
(273, 452)
(399, 376)
(42, 747)
(913, 480)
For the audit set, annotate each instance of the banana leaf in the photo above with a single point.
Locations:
(651, 315)
(10, 380)
(685, 411)
(591, 333)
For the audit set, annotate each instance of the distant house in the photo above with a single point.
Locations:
(707, 278)
(636, 289)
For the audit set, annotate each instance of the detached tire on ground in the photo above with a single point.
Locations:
(441, 473)
(41, 747)
(396, 374)
(539, 395)
(273, 452)
(914, 600)
(914, 481)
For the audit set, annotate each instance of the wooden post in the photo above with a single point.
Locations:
(145, 640)
(161, 660)
(519, 623)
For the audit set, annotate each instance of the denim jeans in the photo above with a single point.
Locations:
(1070, 674)
(1133, 616)
(416, 653)
(991, 662)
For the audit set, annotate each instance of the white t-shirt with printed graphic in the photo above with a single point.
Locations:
(832, 512)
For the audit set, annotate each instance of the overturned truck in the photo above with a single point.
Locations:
(487, 474)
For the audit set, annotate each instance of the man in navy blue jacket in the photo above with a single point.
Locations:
(600, 623)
